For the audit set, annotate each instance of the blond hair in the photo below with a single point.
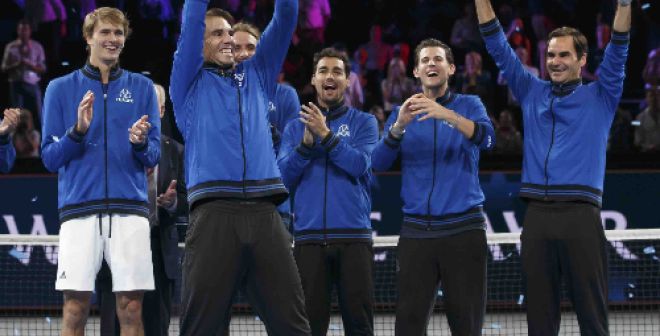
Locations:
(105, 14)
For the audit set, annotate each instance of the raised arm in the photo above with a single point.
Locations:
(188, 57)
(274, 43)
(612, 69)
(517, 77)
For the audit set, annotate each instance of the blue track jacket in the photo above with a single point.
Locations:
(566, 126)
(331, 180)
(102, 171)
(223, 114)
(439, 169)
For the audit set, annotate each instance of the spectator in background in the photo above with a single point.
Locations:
(353, 96)
(397, 87)
(48, 19)
(27, 139)
(465, 33)
(378, 112)
(595, 57)
(474, 80)
(651, 72)
(372, 58)
(523, 55)
(508, 139)
(314, 17)
(516, 36)
(647, 133)
(24, 61)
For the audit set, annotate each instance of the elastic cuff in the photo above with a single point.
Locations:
(478, 134)
(330, 141)
(620, 37)
(490, 28)
(4, 139)
(74, 135)
(392, 141)
(304, 150)
(140, 147)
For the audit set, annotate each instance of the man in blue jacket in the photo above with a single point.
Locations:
(235, 234)
(326, 160)
(7, 151)
(439, 135)
(282, 108)
(101, 154)
(566, 129)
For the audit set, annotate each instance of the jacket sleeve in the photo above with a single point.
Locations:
(294, 156)
(287, 107)
(188, 58)
(59, 142)
(7, 153)
(611, 71)
(388, 147)
(518, 78)
(484, 133)
(274, 43)
(149, 152)
(353, 158)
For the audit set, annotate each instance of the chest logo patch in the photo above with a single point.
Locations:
(125, 96)
(343, 131)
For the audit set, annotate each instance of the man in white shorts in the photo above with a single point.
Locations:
(102, 154)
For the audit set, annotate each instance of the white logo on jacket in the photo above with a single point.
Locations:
(343, 131)
(125, 96)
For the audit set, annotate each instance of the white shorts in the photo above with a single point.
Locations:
(125, 244)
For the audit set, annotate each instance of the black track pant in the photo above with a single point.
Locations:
(564, 240)
(229, 243)
(349, 266)
(459, 263)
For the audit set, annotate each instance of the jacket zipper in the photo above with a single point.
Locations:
(325, 200)
(428, 207)
(240, 114)
(552, 141)
(104, 87)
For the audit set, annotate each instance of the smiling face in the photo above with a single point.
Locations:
(433, 69)
(245, 45)
(106, 43)
(330, 81)
(562, 62)
(218, 41)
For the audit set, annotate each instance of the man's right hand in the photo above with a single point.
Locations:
(10, 121)
(308, 138)
(405, 117)
(85, 113)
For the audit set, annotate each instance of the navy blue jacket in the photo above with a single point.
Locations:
(566, 126)
(223, 115)
(439, 169)
(331, 180)
(7, 154)
(101, 171)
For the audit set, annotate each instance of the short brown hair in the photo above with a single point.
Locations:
(218, 12)
(431, 42)
(332, 52)
(247, 27)
(105, 14)
(579, 40)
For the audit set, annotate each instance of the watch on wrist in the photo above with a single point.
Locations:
(397, 132)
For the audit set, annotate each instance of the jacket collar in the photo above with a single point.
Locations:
(335, 111)
(446, 98)
(564, 89)
(222, 71)
(95, 73)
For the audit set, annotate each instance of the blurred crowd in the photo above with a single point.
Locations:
(41, 37)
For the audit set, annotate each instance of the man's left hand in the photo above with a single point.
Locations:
(166, 200)
(421, 105)
(314, 119)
